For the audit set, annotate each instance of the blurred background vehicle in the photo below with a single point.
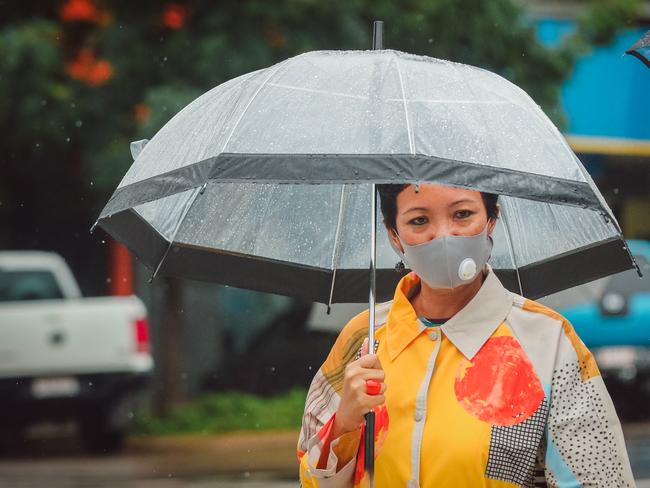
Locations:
(612, 317)
(63, 356)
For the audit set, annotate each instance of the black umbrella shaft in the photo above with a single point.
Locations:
(369, 433)
(369, 437)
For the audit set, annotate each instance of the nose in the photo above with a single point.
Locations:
(439, 230)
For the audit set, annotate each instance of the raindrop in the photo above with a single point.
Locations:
(92, 183)
(616, 191)
(309, 368)
(165, 58)
(67, 139)
(130, 415)
(109, 280)
(90, 383)
(38, 144)
(103, 241)
(78, 123)
(430, 41)
(43, 103)
(247, 474)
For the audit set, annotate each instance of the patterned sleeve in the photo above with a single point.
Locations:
(320, 407)
(584, 439)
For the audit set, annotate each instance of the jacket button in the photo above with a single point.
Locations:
(434, 335)
(419, 416)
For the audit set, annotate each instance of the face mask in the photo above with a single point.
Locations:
(447, 261)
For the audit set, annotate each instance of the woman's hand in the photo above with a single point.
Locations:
(355, 402)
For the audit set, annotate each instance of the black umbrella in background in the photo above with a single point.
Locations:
(641, 49)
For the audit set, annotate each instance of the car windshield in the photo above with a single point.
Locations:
(28, 285)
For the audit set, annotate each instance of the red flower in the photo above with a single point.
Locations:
(174, 16)
(82, 11)
(92, 71)
(274, 36)
(141, 112)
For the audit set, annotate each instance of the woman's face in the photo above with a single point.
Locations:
(437, 211)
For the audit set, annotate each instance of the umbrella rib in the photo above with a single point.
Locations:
(337, 239)
(320, 92)
(511, 249)
(406, 110)
(450, 101)
(241, 116)
(198, 191)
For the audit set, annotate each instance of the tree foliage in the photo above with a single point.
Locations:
(80, 79)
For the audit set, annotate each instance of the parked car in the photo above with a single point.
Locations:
(65, 357)
(612, 317)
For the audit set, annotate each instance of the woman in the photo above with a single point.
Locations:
(472, 385)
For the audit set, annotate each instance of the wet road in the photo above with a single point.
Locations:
(52, 457)
(267, 460)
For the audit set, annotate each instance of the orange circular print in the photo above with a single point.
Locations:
(499, 385)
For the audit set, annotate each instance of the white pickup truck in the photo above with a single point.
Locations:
(66, 357)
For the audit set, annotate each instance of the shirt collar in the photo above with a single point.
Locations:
(467, 330)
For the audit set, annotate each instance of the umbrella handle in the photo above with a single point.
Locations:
(369, 446)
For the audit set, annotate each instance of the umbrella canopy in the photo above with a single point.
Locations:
(641, 49)
(264, 182)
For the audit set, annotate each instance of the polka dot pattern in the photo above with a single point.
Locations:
(581, 429)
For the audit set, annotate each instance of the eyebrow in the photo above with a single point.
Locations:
(419, 209)
(462, 200)
(424, 209)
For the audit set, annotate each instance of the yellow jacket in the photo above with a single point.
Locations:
(503, 394)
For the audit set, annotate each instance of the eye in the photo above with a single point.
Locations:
(418, 221)
(463, 214)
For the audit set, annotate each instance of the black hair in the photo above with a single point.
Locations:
(388, 197)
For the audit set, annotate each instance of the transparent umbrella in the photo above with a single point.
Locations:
(265, 181)
(268, 181)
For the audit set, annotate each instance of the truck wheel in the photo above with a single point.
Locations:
(99, 437)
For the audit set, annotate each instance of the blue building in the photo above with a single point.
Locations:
(606, 102)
